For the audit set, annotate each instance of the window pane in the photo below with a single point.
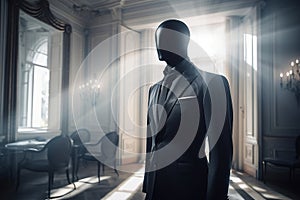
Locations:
(40, 57)
(40, 97)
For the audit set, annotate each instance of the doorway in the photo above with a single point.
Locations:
(248, 94)
(243, 83)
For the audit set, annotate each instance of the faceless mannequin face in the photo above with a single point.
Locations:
(172, 42)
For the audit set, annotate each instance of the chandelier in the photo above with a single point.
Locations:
(291, 81)
(90, 91)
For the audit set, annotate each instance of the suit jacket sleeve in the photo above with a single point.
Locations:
(220, 156)
(148, 146)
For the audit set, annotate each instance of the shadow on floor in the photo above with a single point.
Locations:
(33, 185)
(278, 179)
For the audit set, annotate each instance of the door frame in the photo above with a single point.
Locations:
(251, 144)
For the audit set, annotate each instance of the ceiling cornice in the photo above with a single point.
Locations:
(156, 10)
(136, 11)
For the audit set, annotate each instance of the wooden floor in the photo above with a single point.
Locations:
(127, 186)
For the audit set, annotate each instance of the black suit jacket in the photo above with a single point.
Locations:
(181, 135)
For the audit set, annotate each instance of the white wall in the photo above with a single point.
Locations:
(77, 47)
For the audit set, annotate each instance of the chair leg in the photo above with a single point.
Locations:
(18, 178)
(76, 169)
(265, 171)
(50, 183)
(291, 172)
(116, 171)
(99, 171)
(68, 176)
(102, 168)
(115, 168)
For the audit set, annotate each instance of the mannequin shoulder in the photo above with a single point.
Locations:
(154, 86)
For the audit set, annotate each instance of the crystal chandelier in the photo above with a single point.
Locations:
(90, 91)
(291, 80)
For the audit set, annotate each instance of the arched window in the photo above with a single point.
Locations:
(35, 78)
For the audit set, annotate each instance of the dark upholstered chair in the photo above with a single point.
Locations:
(106, 149)
(291, 164)
(79, 137)
(58, 151)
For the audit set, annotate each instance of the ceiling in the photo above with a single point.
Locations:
(135, 11)
(94, 4)
(138, 4)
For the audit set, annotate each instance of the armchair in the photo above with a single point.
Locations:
(80, 136)
(106, 151)
(58, 152)
(292, 164)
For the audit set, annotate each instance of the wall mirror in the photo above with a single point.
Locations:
(39, 79)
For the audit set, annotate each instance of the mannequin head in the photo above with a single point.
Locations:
(172, 39)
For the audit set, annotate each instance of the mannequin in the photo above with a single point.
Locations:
(165, 36)
(188, 176)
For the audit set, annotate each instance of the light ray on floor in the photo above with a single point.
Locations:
(126, 189)
(82, 185)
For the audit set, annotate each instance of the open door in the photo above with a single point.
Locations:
(248, 95)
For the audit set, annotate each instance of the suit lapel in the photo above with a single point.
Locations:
(154, 94)
(154, 111)
(181, 86)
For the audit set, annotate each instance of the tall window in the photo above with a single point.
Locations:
(211, 38)
(35, 92)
